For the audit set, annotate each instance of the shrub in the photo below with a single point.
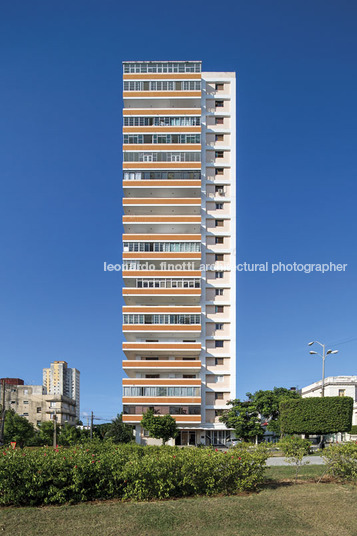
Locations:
(316, 415)
(353, 429)
(295, 448)
(104, 471)
(341, 461)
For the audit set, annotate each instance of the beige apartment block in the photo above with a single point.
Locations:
(179, 184)
(33, 403)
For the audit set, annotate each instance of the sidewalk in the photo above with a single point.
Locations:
(311, 460)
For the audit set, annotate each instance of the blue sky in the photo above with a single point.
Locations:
(60, 196)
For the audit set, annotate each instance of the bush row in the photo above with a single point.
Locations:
(105, 471)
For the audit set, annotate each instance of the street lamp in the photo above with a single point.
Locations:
(323, 356)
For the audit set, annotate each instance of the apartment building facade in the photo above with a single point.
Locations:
(33, 403)
(59, 379)
(179, 200)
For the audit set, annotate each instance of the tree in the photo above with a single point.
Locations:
(159, 426)
(119, 432)
(18, 429)
(45, 433)
(244, 418)
(69, 435)
(318, 416)
(268, 402)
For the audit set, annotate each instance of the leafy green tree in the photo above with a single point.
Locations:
(159, 426)
(244, 418)
(118, 431)
(267, 404)
(19, 429)
(45, 433)
(69, 435)
(295, 448)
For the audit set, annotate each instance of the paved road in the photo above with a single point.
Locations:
(312, 460)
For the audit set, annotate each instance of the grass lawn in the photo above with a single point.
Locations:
(282, 509)
(307, 472)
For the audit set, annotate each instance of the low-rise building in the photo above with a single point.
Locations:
(34, 403)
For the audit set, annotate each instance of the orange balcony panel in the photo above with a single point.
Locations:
(178, 418)
(160, 129)
(162, 291)
(161, 273)
(161, 327)
(161, 184)
(165, 94)
(162, 381)
(161, 219)
(162, 76)
(155, 310)
(160, 346)
(161, 201)
(162, 147)
(160, 237)
(161, 165)
(162, 112)
(161, 400)
(163, 255)
(136, 364)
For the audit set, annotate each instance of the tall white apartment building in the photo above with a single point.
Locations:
(179, 246)
(59, 379)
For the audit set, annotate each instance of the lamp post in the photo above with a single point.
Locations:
(323, 356)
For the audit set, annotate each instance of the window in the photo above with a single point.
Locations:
(219, 378)
(219, 154)
(219, 206)
(219, 103)
(219, 275)
(219, 87)
(38, 423)
(219, 120)
(341, 392)
(219, 292)
(219, 309)
(219, 361)
(219, 223)
(38, 409)
(26, 401)
(187, 376)
(219, 326)
(151, 358)
(219, 240)
(219, 137)
(219, 190)
(129, 410)
(152, 375)
(146, 433)
(218, 396)
(25, 414)
(219, 257)
(188, 358)
(218, 344)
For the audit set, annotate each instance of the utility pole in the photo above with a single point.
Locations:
(91, 424)
(54, 430)
(3, 412)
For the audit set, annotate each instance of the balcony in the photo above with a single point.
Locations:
(161, 391)
(161, 365)
(153, 349)
(155, 296)
(186, 419)
(161, 205)
(160, 224)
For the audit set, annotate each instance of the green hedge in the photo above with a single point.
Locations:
(316, 415)
(105, 471)
(353, 429)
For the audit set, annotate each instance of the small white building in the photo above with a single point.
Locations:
(335, 386)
